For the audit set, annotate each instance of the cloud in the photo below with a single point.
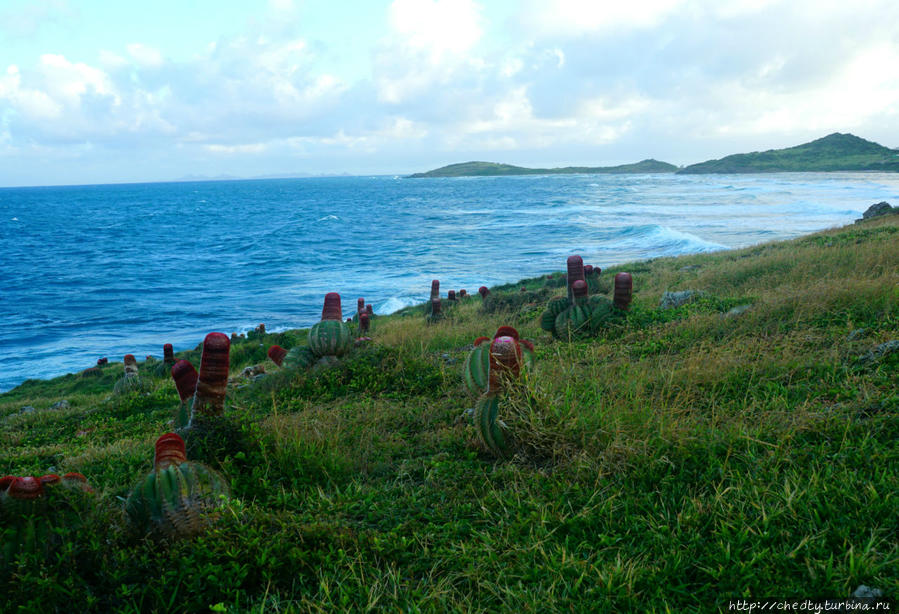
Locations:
(145, 56)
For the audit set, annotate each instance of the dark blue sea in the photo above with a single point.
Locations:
(91, 271)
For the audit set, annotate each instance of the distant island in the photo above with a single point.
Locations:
(483, 169)
(835, 152)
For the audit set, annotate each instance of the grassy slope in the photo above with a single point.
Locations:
(484, 169)
(835, 152)
(684, 458)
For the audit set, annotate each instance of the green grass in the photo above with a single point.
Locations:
(680, 459)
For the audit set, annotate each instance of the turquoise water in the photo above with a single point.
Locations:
(90, 271)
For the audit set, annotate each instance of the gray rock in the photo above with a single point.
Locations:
(670, 300)
(858, 333)
(64, 404)
(866, 593)
(28, 409)
(881, 208)
(880, 352)
(259, 376)
(738, 310)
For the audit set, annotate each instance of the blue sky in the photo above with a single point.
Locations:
(94, 91)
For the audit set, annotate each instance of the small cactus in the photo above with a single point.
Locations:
(463, 293)
(300, 356)
(131, 380)
(276, 353)
(476, 369)
(624, 285)
(451, 295)
(364, 323)
(435, 289)
(168, 354)
(575, 272)
(102, 361)
(185, 377)
(505, 356)
(369, 310)
(35, 511)
(176, 499)
(483, 291)
(435, 314)
(209, 399)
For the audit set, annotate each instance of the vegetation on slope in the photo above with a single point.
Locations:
(482, 169)
(835, 152)
(682, 458)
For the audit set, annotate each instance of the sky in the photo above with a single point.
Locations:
(96, 91)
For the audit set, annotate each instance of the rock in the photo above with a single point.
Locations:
(738, 310)
(858, 333)
(670, 300)
(28, 409)
(252, 371)
(60, 405)
(876, 210)
(867, 594)
(259, 376)
(881, 208)
(880, 352)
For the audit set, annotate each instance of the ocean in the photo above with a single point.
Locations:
(105, 270)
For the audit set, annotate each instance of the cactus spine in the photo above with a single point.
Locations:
(176, 498)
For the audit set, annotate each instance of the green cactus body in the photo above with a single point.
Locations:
(573, 322)
(330, 338)
(175, 501)
(603, 312)
(131, 382)
(476, 370)
(491, 429)
(553, 309)
(299, 357)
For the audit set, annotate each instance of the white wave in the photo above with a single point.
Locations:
(395, 303)
(15, 219)
(327, 217)
(663, 241)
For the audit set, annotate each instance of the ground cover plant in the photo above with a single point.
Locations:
(743, 444)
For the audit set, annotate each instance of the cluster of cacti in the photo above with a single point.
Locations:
(580, 315)
(102, 361)
(33, 509)
(328, 339)
(178, 497)
(131, 380)
(257, 332)
(489, 368)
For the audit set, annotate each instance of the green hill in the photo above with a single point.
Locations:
(484, 169)
(835, 152)
(745, 443)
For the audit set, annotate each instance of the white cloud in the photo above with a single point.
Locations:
(576, 17)
(247, 148)
(145, 55)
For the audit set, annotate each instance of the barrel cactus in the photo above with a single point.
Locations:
(483, 291)
(435, 313)
(178, 498)
(185, 377)
(476, 370)
(131, 380)
(168, 361)
(299, 357)
(212, 383)
(624, 285)
(35, 512)
(506, 357)
(331, 336)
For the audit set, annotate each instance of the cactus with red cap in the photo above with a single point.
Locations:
(185, 377)
(435, 313)
(168, 360)
(212, 383)
(331, 336)
(131, 380)
(276, 354)
(483, 291)
(34, 512)
(505, 356)
(624, 286)
(179, 497)
(476, 369)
